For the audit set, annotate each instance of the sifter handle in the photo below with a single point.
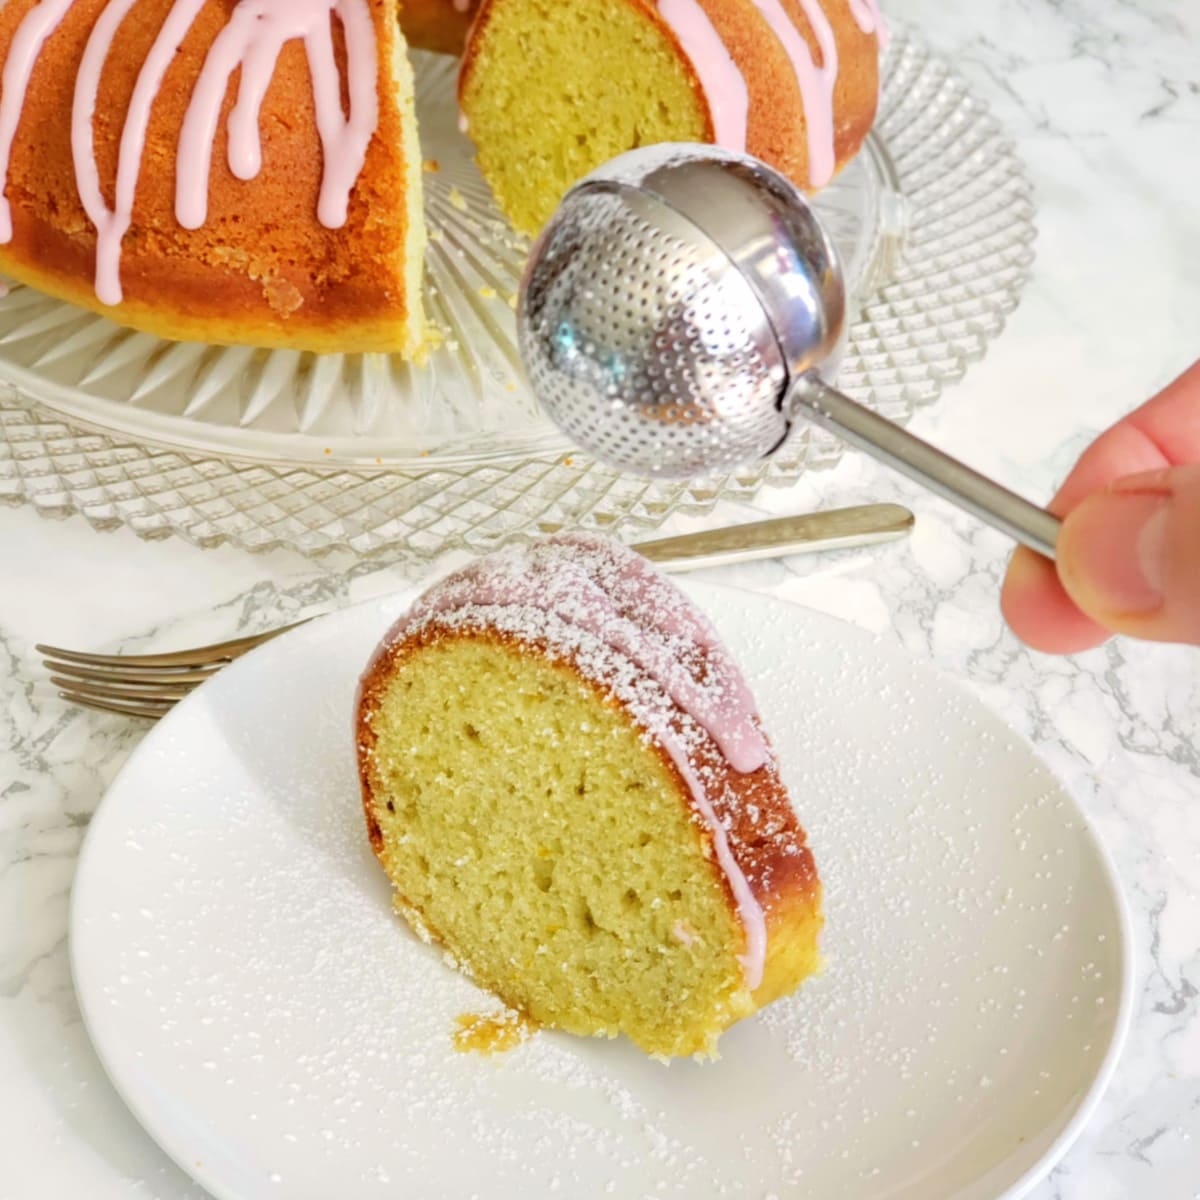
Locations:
(883, 439)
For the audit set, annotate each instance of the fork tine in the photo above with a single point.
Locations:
(133, 674)
(154, 692)
(218, 652)
(150, 711)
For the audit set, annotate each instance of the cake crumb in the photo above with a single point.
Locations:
(458, 199)
(431, 165)
(491, 1033)
(283, 297)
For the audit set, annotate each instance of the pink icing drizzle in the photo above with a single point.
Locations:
(816, 83)
(38, 24)
(113, 224)
(597, 587)
(869, 19)
(253, 40)
(723, 84)
(725, 88)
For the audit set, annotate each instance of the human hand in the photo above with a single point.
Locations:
(1129, 551)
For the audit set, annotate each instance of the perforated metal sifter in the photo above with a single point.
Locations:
(676, 318)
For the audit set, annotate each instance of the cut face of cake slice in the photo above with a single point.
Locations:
(567, 782)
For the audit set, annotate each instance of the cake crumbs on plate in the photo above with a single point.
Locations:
(491, 1033)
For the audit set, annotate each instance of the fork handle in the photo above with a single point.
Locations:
(827, 529)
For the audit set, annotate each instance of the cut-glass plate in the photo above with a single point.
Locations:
(372, 454)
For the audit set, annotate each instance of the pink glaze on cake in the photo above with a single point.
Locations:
(251, 41)
(816, 83)
(618, 621)
(723, 84)
(112, 224)
(869, 19)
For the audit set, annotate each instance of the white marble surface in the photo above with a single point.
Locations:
(1103, 99)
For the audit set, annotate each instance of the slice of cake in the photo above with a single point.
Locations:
(566, 779)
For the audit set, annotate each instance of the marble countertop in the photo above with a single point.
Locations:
(1103, 100)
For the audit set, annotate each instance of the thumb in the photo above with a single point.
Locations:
(1129, 556)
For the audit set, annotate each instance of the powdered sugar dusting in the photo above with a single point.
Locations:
(599, 586)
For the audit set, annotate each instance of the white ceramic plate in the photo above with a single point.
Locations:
(283, 1037)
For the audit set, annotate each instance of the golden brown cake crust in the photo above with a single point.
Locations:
(778, 129)
(767, 841)
(262, 269)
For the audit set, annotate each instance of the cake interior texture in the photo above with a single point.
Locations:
(555, 90)
(541, 829)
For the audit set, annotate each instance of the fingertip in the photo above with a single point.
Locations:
(1039, 611)
(1130, 556)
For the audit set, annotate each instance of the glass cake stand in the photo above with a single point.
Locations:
(371, 454)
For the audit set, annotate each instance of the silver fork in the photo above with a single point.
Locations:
(149, 685)
(143, 685)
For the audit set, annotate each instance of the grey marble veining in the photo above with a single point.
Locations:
(1103, 100)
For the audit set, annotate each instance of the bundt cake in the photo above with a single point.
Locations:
(215, 170)
(248, 171)
(566, 779)
(550, 91)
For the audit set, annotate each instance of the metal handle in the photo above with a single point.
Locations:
(830, 529)
(997, 506)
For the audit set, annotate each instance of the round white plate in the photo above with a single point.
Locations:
(282, 1035)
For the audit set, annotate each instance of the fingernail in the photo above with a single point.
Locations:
(1112, 555)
